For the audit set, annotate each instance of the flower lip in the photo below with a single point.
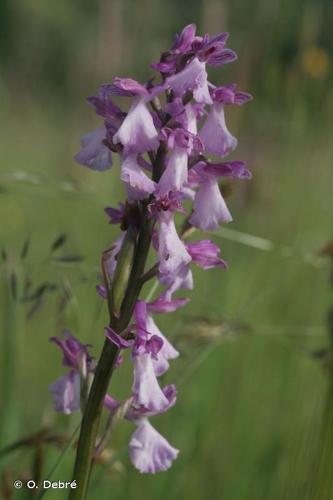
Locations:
(214, 133)
(137, 133)
(94, 153)
(149, 451)
(66, 393)
(209, 207)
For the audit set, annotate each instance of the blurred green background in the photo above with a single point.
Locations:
(252, 394)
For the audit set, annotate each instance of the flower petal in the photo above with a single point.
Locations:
(146, 389)
(150, 452)
(66, 393)
(192, 77)
(137, 133)
(171, 250)
(214, 134)
(94, 154)
(209, 207)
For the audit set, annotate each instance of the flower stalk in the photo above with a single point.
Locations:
(130, 286)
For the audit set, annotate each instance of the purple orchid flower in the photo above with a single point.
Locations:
(192, 78)
(94, 153)
(214, 134)
(209, 207)
(146, 389)
(183, 278)
(205, 254)
(172, 252)
(167, 351)
(135, 178)
(74, 353)
(66, 390)
(66, 393)
(149, 451)
(137, 133)
(181, 143)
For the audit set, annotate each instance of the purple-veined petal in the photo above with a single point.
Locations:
(214, 134)
(134, 412)
(137, 133)
(182, 279)
(146, 389)
(194, 78)
(183, 42)
(94, 154)
(66, 393)
(175, 175)
(229, 95)
(149, 451)
(116, 339)
(167, 351)
(134, 176)
(171, 250)
(234, 169)
(162, 305)
(73, 350)
(205, 254)
(209, 208)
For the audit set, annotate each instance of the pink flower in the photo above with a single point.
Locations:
(205, 254)
(194, 78)
(209, 208)
(66, 393)
(137, 133)
(146, 389)
(171, 250)
(167, 352)
(139, 184)
(214, 134)
(149, 451)
(94, 153)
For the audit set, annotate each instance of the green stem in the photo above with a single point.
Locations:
(105, 366)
